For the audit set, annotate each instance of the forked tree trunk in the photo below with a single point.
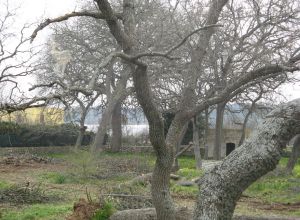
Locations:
(164, 149)
(160, 191)
(294, 155)
(219, 131)
(116, 125)
(119, 94)
(222, 187)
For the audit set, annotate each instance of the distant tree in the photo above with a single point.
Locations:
(221, 188)
(16, 61)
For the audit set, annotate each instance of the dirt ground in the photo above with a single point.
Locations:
(29, 172)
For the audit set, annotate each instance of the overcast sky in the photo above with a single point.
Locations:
(35, 10)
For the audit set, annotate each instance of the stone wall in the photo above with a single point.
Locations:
(229, 136)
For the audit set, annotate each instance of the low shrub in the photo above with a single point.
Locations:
(4, 185)
(54, 177)
(185, 191)
(24, 194)
(14, 135)
(105, 212)
(190, 173)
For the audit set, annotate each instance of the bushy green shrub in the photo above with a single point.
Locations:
(8, 128)
(15, 135)
(105, 212)
(54, 177)
(25, 194)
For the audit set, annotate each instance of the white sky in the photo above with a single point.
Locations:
(36, 10)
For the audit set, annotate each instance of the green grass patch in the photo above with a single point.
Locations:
(270, 185)
(189, 173)
(37, 212)
(187, 162)
(54, 177)
(105, 212)
(185, 191)
(296, 171)
(4, 184)
(277, 186)
(283, 161)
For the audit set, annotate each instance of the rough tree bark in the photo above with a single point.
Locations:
(294, 156)
(219, 131)
(222, 187)
(162, 199)
(116, 125)
(149, 214)
(125, 39)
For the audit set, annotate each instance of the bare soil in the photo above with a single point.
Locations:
(16, 170)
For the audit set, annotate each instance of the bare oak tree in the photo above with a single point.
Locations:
(221, 188)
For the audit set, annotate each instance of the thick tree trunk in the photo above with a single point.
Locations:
(160, 191)
(116, 125)
(196, 143)
(102, 128)
(222, 187)
(163, 148)
(125, 39)
(219, 131)
(119, 94)
(181, 214)
(80, 137)
(294, 155)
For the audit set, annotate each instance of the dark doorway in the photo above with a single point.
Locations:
(229, 148)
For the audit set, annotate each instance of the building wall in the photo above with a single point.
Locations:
(229, 136)
(36, 116)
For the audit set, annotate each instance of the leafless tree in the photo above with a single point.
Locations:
(221, 188)
(16, 60)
